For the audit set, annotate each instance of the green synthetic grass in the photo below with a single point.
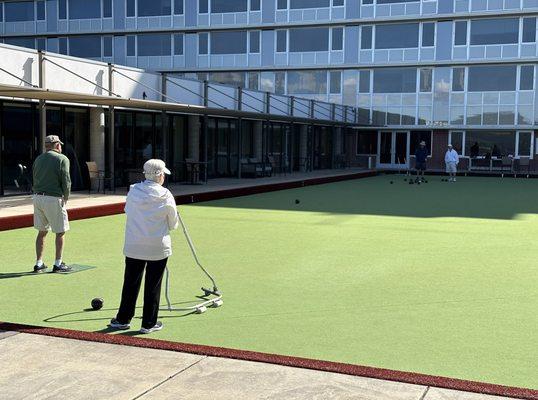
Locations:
(439, 278)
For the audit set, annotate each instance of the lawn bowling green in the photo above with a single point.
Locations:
(438, 278)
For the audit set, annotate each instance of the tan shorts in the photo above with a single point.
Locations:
(451, 167)
(50, 214)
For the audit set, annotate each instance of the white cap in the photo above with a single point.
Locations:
(155, 167)
(450, 145)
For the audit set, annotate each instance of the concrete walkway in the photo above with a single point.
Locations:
(44, 367)
(22, 205)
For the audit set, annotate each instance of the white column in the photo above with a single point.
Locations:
(97, 139)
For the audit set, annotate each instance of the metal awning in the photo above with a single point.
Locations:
(34, 93)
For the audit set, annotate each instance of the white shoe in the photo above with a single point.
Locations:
(158, 326)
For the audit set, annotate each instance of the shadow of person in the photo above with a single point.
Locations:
(9, 275)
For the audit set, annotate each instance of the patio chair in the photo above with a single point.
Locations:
(506, 163)
(95, 174)
(23, 180)
(523, 165)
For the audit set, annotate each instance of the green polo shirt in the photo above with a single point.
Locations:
(51, 175)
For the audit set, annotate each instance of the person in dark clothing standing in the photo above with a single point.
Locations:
(421, 157)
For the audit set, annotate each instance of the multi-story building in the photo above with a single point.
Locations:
(460, 71)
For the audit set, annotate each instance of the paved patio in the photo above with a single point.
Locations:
(43, 367)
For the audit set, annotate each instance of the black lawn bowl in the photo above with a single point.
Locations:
(297, 201)
(391, 182)
(97, 303)
(411, 182)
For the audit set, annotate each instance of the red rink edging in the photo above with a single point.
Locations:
(27, 220)
(297, 362)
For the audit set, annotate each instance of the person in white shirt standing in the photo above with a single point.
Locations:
(452, 160)
(151, 215)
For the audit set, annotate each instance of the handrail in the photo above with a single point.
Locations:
(146, 86)
(16, 77)
(195, 93)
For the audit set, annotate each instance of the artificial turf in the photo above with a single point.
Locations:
(439, 278)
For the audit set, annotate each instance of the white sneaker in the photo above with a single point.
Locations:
(115, 324)
(158, 326)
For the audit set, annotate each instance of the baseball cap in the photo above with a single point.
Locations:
(155, 167)
(423, 143)
(53, 139)
(450, 145)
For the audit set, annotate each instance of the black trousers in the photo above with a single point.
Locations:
(134, 269)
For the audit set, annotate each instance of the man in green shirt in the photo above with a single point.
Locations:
(52, 187)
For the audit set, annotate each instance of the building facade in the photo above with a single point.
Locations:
(459, 71)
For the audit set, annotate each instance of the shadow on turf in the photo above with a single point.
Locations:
(86, 311)
(469, 197)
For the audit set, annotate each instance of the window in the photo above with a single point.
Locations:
(280, 83)
(19, 11)
(154, 44)
(84, 9)
(294, 4)
(492, 78)
(178, 7)
(131, 46)
(418, 136)
(395, 80)
(367, 143)
(338, 3)
(41, 44)
(228, 6)
(203, 45)
(364, 81)
(529, 30)
(229, 42)
(62, 44)
(107, 8)
(62, 9)
(154, 7)
(309, 39)
(458, 79)
(40, 10)
(460, 36)
(494, 31)
(85, 46)
(253, 80)
(282, 4)
(396, 36)
(526, 77)
(395, 1)
(307, 82)
(178, 44)
(281, 37)
(203, 8)
(486, 140)
(335, 79)
(524, 143)
(131, 8)
(366, 37)
(337, 39)
(367, 2)
(456, 140)
(21, 42)
(228, 78)
(254, 42)
(428, 34)
(107, 46)
(1, 13)
(426, 80)
(255, 5)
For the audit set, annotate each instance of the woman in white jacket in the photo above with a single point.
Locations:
(151, 214)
